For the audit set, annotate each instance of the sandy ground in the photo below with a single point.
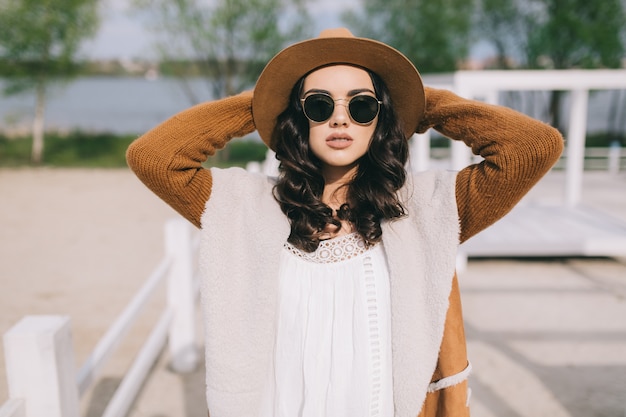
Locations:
(81, 242)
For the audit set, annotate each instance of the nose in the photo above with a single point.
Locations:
(340, 115)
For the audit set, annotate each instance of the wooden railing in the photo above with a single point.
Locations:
(39, 356)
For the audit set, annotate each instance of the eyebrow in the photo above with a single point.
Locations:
(351, 93)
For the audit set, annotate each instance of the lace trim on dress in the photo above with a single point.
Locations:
(374, 336)
(333, 250)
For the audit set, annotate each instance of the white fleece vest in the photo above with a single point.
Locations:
(243, 232)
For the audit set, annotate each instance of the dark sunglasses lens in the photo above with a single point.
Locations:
(318, 107)
(363, 109)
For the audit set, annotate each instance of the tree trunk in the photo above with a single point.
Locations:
(501, 55)
(38, 124)
(555, 109)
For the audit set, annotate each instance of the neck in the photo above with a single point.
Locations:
(335, 190)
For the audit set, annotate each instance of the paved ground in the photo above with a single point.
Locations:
(547, 337)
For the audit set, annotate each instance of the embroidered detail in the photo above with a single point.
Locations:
(374, 336)
(451, 380)
(332, 250)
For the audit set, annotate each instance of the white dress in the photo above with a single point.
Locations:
(332, 355)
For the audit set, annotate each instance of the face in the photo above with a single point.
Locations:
(339, 142)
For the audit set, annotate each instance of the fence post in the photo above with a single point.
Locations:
(181, 296)
(420, 151)
(614, 157)
(574, 164)
(40, 366)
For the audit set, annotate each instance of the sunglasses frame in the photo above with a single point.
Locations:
(334, 101)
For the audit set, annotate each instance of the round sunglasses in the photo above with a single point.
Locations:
(319, 107)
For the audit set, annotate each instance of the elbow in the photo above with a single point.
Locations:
(536, 155)
(133, 156)
(142, 161)
(138, 155)
(553, 144)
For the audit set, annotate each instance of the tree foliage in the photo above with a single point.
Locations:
(558, 34)
(555, 34)
(575, 34)
(40, 38)
(39, 42)
(228, 40)
(499, 22)
(433, 34)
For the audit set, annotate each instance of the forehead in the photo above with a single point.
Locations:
(338, 79)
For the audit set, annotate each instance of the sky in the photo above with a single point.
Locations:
(122, 35)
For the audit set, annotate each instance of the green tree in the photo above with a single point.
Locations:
(433, 34)
(39, 42)
(499, 22)
(556, 34)
(227, 42)
(575, 34)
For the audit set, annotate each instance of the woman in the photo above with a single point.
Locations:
(331, 290)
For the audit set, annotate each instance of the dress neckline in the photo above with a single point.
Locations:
(336, 249)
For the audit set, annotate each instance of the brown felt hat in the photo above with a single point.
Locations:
(337, 46)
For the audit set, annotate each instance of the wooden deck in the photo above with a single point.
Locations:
(546, 231)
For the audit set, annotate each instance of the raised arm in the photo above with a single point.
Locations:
(517, 152)
(168, 159)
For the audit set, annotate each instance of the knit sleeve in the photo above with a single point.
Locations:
(168, 159)
(516, 149)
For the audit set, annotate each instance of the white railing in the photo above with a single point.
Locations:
(487, 85)
(611, 159)
(41, 376)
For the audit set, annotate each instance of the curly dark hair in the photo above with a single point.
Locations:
(372, 193)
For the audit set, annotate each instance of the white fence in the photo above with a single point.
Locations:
(568, 229)
(487, 85)
(41, 374)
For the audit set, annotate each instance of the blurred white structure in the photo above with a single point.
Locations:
(569, 229)
(41, 377)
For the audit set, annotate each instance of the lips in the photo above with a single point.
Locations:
(339, 141)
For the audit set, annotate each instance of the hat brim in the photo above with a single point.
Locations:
(273, 88)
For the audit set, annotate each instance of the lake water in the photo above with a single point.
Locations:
(120, 105)
(134, 105)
